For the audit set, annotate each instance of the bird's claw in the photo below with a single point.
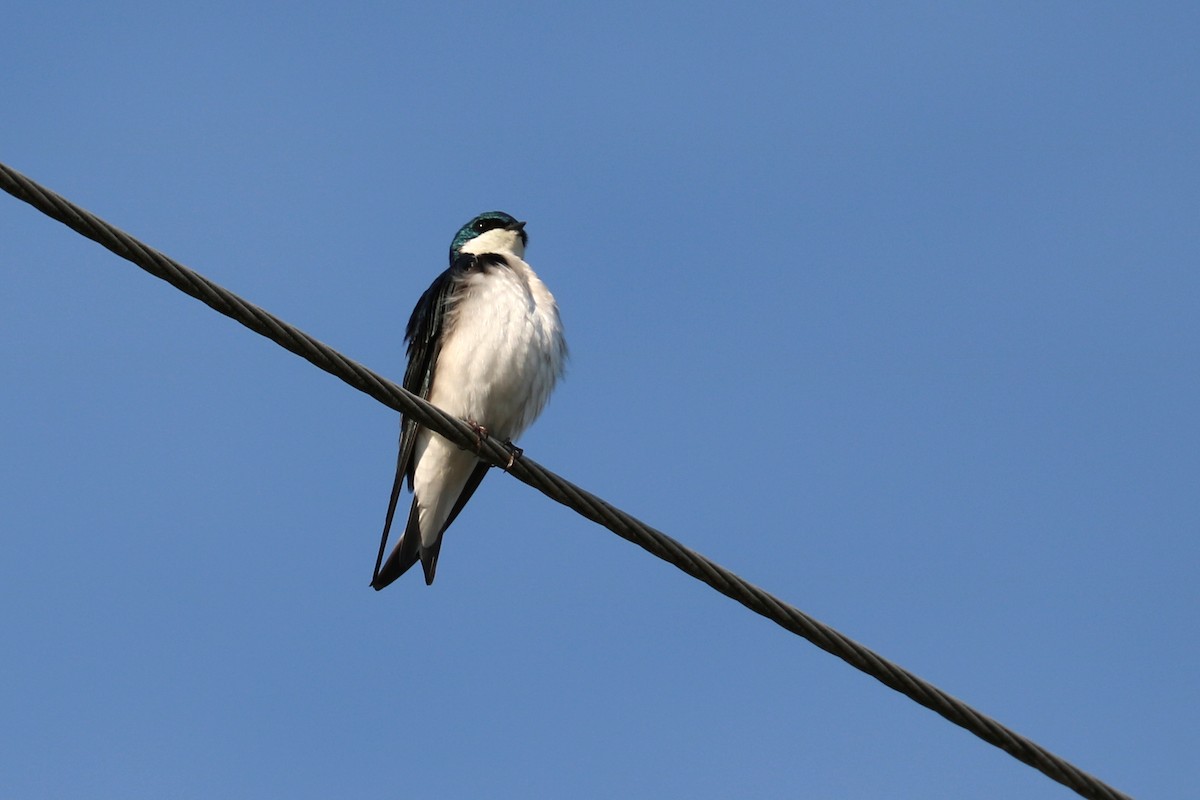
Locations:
(514, 453)
(481, 433)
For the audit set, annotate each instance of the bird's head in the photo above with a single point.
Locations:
(490, 232)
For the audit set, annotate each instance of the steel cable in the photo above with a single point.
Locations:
(555, 487)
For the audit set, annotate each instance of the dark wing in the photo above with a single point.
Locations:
(424, 336)
(424, 342)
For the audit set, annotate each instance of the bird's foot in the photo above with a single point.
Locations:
(481, 433)
(514, 453)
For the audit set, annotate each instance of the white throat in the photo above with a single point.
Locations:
(497, 240)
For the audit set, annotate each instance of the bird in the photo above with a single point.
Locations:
(485, 344)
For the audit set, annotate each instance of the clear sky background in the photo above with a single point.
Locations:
(892, 309)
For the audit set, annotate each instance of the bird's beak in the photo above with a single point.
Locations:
(517, 226)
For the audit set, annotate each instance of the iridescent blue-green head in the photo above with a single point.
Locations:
(490, 232)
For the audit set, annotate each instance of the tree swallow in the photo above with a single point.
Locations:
(485, 344)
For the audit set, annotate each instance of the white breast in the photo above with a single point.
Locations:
(503, 350)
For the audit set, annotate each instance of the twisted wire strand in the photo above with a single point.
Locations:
(555, 487)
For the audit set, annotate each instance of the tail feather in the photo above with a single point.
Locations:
(429, 559)
(407, 553)
(410, 550)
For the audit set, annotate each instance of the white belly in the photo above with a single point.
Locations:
(502, 354)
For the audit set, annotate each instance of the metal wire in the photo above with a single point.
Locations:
(555, 487)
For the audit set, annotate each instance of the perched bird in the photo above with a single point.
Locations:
(485, 344)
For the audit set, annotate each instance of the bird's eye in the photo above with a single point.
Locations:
(487, 224)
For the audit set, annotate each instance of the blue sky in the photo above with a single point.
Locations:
(893, 311)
